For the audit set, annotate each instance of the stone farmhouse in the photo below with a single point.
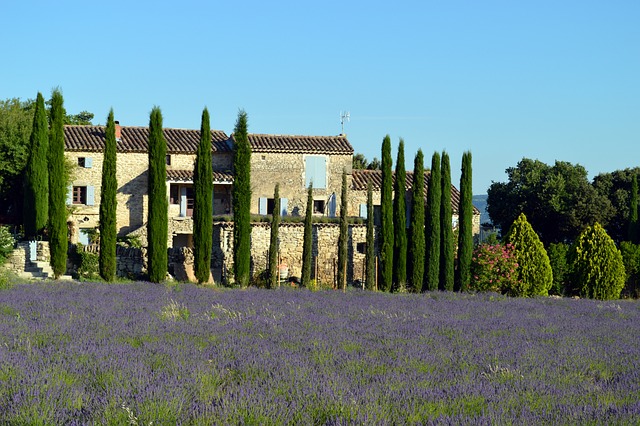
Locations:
(292, 161)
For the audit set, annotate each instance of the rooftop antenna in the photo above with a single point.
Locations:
(344, 115)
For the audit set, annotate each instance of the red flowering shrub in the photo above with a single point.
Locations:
(494, 268)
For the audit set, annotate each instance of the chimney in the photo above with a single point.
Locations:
(118, 131)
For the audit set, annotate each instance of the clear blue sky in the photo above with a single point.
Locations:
(549, 80)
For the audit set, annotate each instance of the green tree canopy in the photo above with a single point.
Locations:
(616, 187)
(158, 204)
(36, 182)
(242, 202)
(203, 203)
(108, 204)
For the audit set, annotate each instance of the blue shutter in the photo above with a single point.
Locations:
(69, 195)
(91, 195)
(316, 171)
(332, 205)
(88, 162)
(183, 201)
(363, 211)
(283, 206)
(83, 237)
(262, 205)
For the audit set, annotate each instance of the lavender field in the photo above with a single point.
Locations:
(83, 353)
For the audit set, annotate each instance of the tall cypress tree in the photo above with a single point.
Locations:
(634, 229)
(446, 242)
(203, 208)
(274, 273)
(432, 227)
(415, 260)
(343, 239)
(387, 234)
(157, 221)
(108, 204)
(400, 223)
(242, 202)
(57, 188)
(36, 191)
(371, 250)
(465, 225)
(307, 243)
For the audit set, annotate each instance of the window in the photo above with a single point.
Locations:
(82, 195)
(85, 162)
(168, 160)
(318, 206)
(266, 206)
(174, 194)
(315, 169)
(361, 248)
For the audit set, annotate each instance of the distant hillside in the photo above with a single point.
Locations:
(480, 201)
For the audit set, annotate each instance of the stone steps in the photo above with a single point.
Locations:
(39, 270)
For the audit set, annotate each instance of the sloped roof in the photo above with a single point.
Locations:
(360, 179)
(187, 176)
(299, 144)
(136, 139)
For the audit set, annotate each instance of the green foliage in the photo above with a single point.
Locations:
(36, 182)
(343, 238)
(6, 243)
(415, 260)
(616, 187)
(494, 268)
(400, 223)
(597, 268)
(432, 227)
(558, 200)
(387, 232)
(88, 263)
(307, 244)
(158, 204)
(558, 253)
(634, 228)
(465, 225)
(58, 242)
(371, 250)
(631, 259)
(446, 230)
(241, 202)
(108, 204)
(203, 207)
(534, 270)
(274, 273)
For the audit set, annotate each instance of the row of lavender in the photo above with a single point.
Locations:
(89, 353)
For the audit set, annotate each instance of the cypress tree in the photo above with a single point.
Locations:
(446, 214)
(432, 227)
(242, 202)
(157, 221)
(465, 226)
(108, 204)
(387, 234)
(415, 260)
(274, 273)
(535, 276)
(203, 204)
(57, 188)
(307, 244)
(36, 191)
(634, 229)
(371, 250)
(400, 223)
(343, 239)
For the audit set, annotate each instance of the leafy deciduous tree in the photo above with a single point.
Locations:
(158, 206)
(108, 204)
(634, 234)
(203, 206)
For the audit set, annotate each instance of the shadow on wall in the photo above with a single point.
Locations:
(136, 188)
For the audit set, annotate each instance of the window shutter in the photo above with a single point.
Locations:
(88, 162)
(316, 171)
(283, 206)
(90, 196)
(363, 211)
(262, 205)
(83, 237)
(69, 195)
(332, 205)
(183, 201)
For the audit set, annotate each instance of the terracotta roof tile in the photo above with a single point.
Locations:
(187, 176)
(135, 139)
(360, 179)
(300, 144)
